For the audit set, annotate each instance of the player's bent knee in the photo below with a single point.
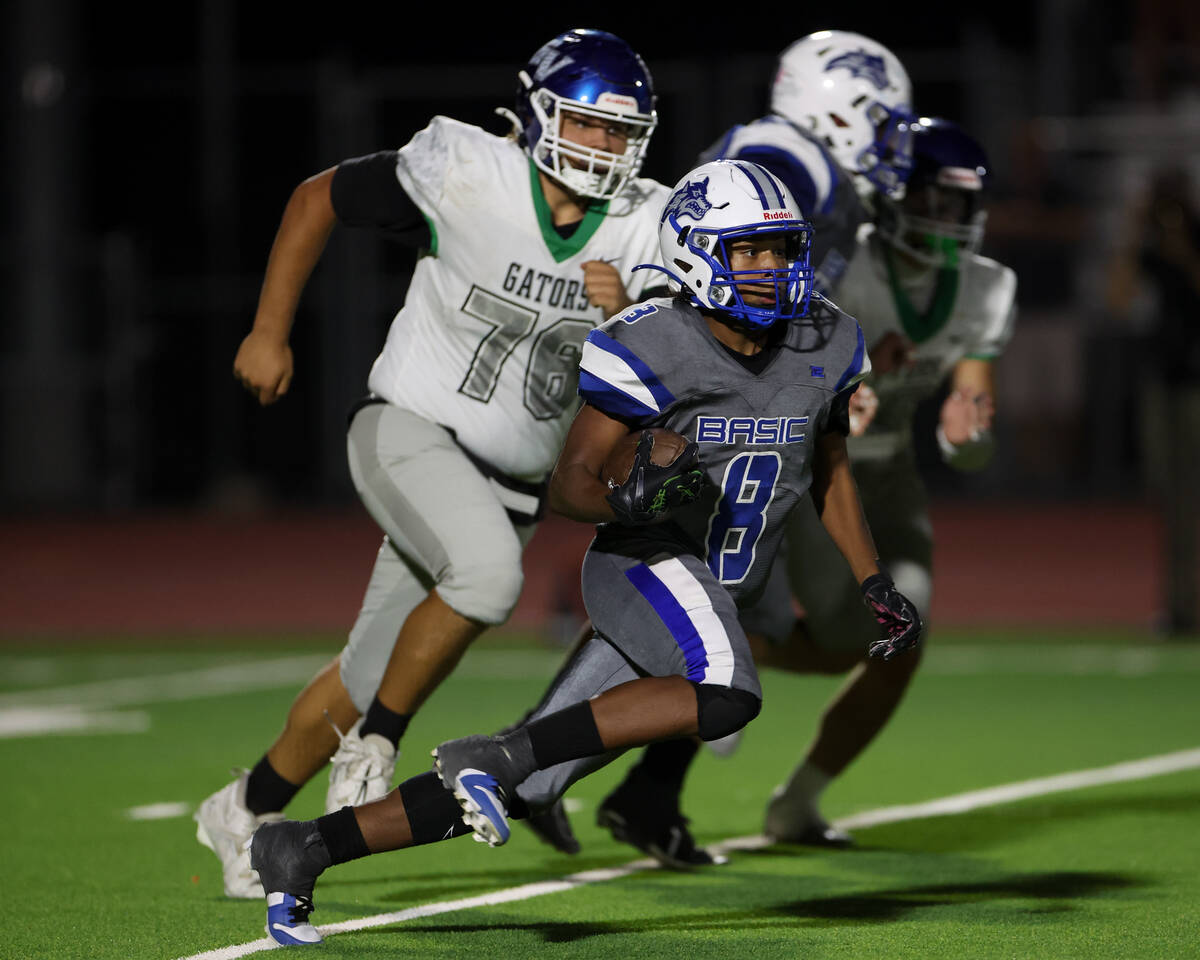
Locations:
(483, 591)
(723, 710)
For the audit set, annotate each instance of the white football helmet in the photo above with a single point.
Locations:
(710, 208)
(855, 96)
(597, 75)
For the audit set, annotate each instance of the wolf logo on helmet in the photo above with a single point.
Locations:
(691, 201)
(862, 64)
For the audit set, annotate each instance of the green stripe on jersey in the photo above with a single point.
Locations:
(433, 237)
(563, 248)
(922, 326)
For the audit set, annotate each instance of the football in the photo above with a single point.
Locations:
(668, 445)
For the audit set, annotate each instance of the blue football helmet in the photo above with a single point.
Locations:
(942, 214)
(597, 75)
(716, 205)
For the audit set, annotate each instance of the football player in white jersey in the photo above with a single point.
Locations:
(525, 244)
(933, 310)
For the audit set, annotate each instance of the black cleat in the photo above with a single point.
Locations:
(289, 856)
(662, 834)
(552, 826)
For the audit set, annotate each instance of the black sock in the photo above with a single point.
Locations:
(385, 722)
(343, 839)
(569, 734)
(662, 767)
(267, 791)
(433, 813)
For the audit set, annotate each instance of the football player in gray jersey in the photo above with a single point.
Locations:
(758, 382)
(839, 134)
(526, 242)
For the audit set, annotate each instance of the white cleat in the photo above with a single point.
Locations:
(225, 825)
(725, 746)
(791, 819)
(360, 771)
(287, 921)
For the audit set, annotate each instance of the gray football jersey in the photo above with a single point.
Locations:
(658, 365)
(824, 190)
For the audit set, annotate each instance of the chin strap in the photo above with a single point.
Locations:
(512, 118)
(654, 266)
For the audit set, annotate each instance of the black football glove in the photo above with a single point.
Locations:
(652, 493)
(899, 618)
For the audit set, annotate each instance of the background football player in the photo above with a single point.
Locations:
(524, 243)
(668, 657)
(940, 313)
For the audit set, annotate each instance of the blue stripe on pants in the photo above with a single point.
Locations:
(674, 617)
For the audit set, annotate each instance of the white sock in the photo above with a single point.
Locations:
(806, 785)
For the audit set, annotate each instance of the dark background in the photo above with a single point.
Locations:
(150, 149)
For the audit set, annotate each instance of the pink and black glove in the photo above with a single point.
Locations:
(896, 615)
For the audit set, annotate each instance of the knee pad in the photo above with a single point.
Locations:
(723, 710)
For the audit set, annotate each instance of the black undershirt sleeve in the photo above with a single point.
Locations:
(366, 193)
(839, 413)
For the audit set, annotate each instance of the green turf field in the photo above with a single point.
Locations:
(1101, 871)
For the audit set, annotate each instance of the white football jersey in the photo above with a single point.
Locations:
(951, 318)
(489, 337)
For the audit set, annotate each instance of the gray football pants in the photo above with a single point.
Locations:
(668, 617)
(445, 527)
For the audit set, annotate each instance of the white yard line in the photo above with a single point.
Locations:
(38, 721)
(958, 803)
(167, 687)
(248, 676)
(159, 811)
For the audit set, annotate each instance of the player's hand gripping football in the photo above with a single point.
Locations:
(652, 493)
(896, 615)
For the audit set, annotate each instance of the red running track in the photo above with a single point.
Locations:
(1006, 564)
